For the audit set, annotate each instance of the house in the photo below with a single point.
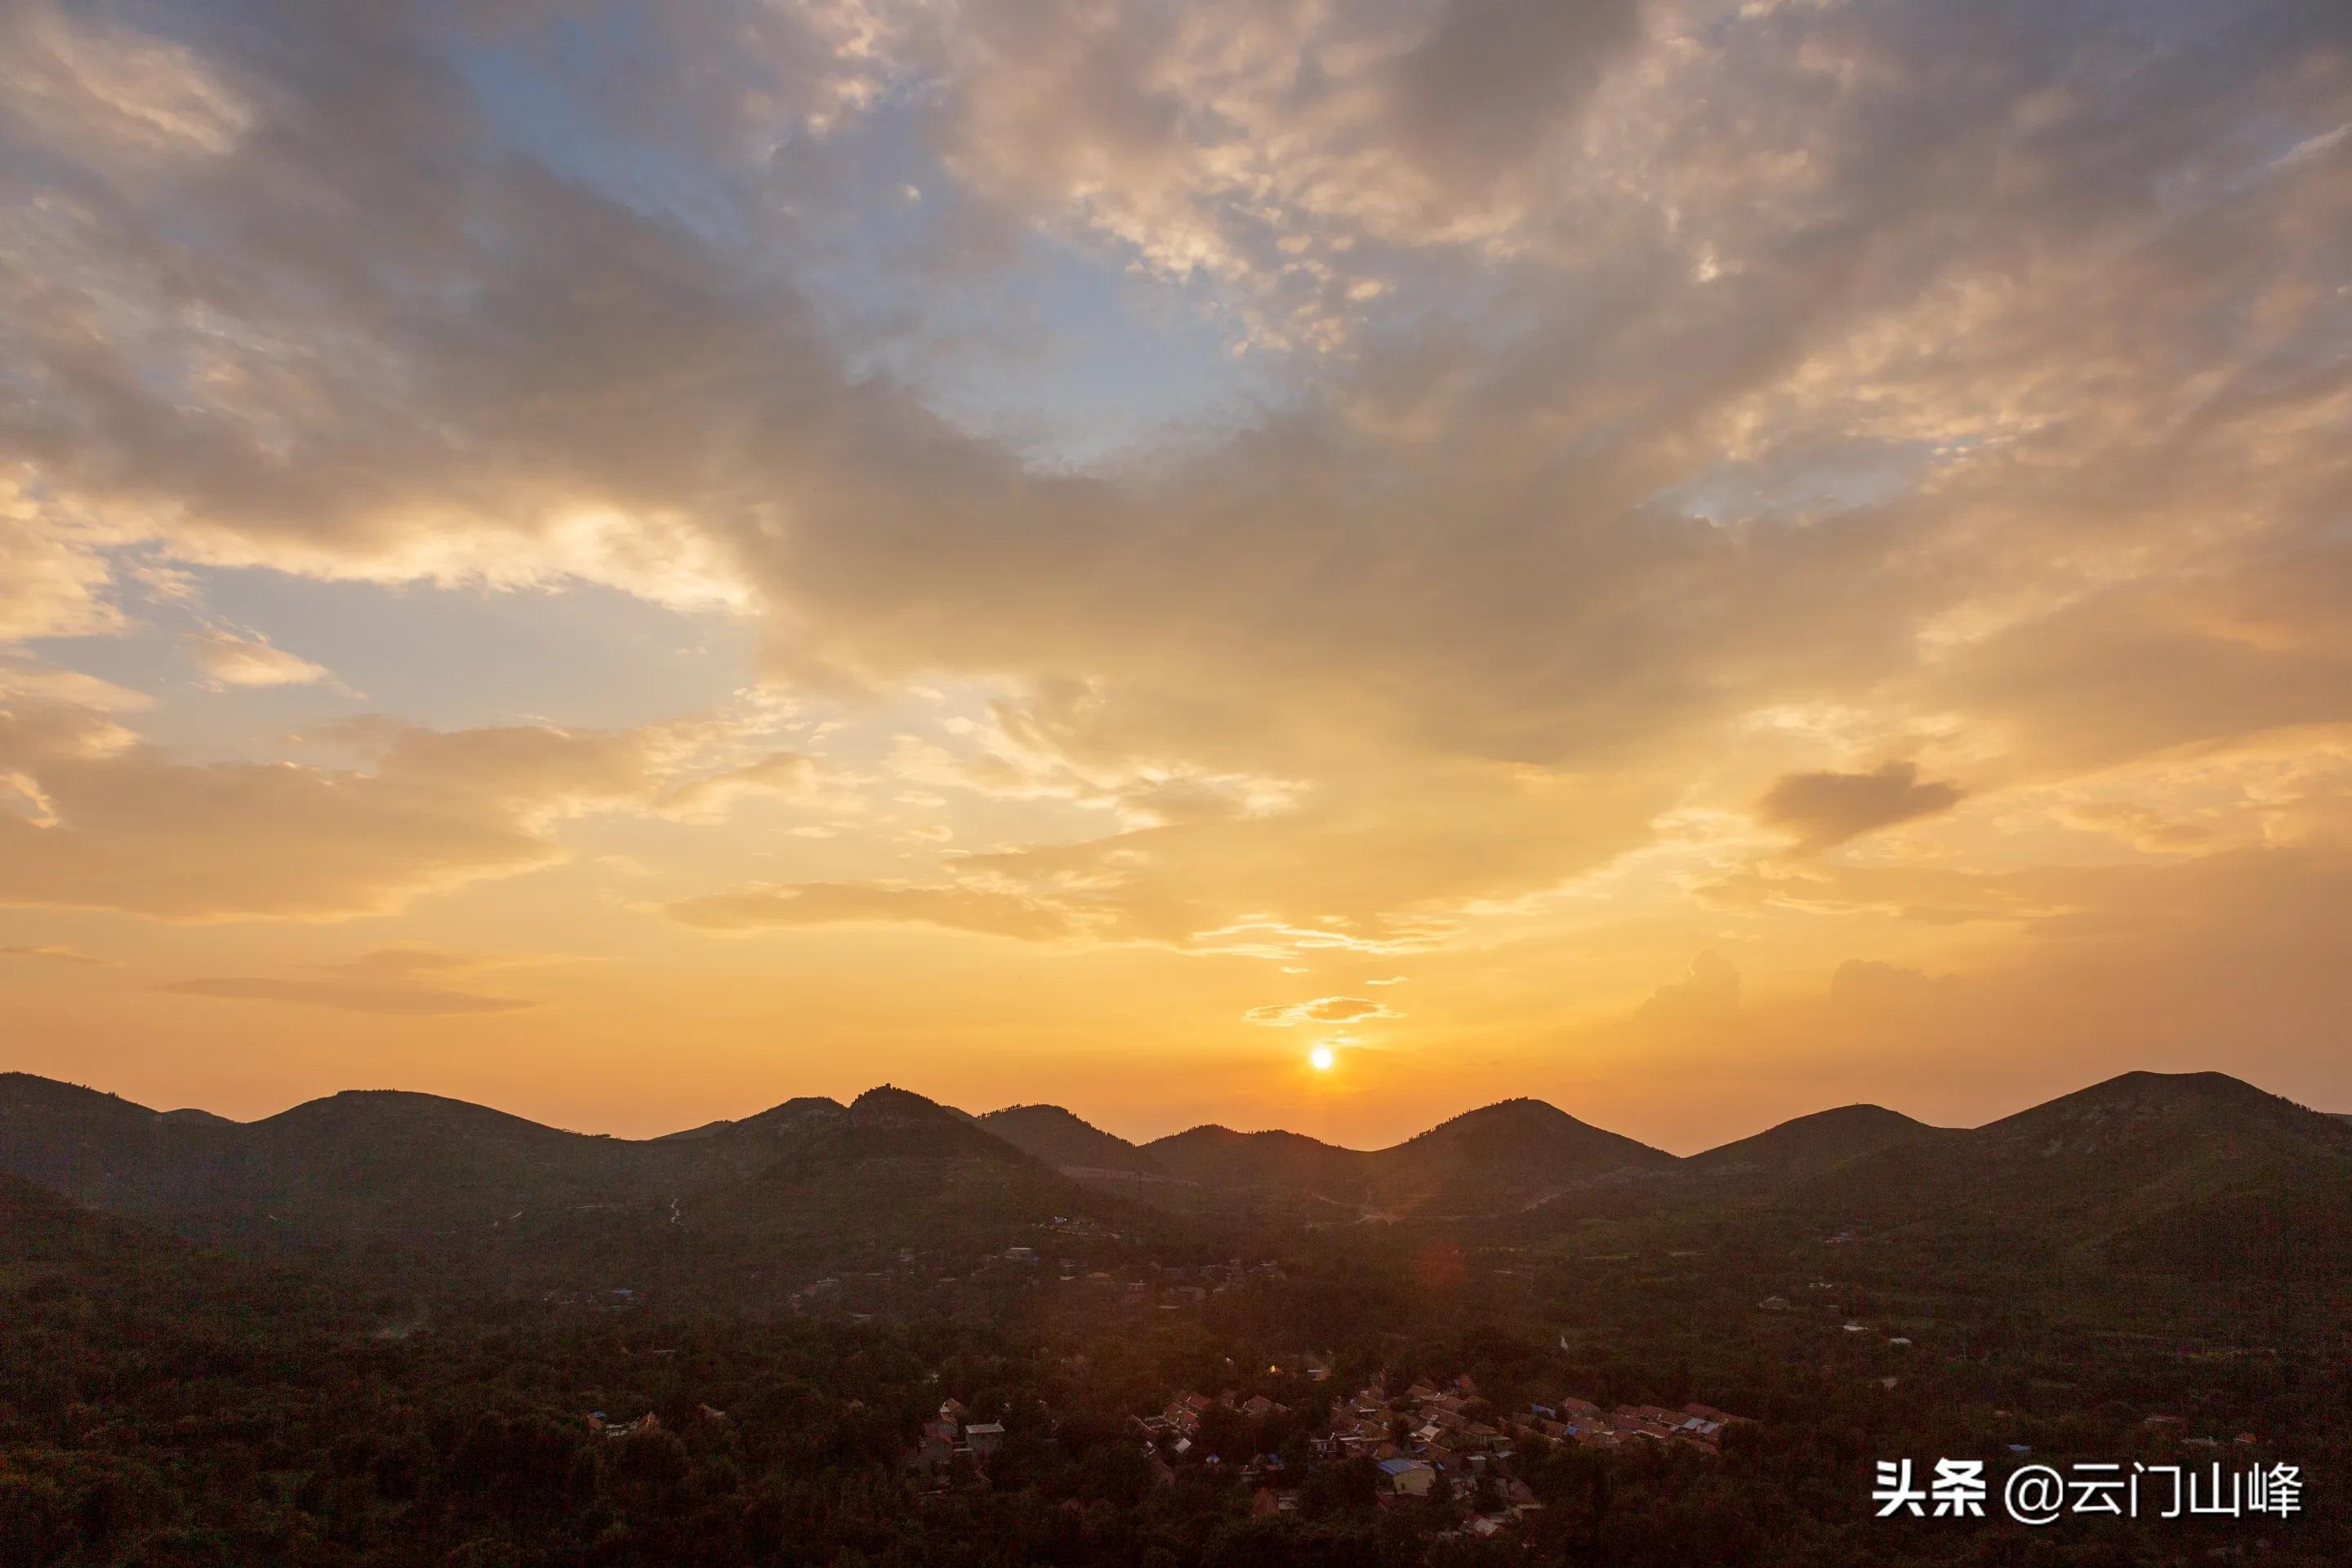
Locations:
(984, 1437)
(1408, 1477)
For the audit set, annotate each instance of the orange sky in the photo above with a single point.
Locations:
(1700, 561)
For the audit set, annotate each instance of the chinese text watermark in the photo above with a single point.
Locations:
(2042, 1494)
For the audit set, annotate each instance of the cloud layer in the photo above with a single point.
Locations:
(1316, 486)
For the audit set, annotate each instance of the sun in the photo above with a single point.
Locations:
(1322, 1059)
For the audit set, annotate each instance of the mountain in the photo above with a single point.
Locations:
(1281, 1165)
(366, 1165)
(2192, 1172)
(1503, 1157)
(42, 1231)
(1808, 1145)
(1052, 1134)
(1516, 1154)
(809, 1181)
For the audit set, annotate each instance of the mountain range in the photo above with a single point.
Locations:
(2197, 1172)
(399, 1175)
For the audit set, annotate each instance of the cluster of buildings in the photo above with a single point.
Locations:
(948, 1437)
(1446, 1442)
(1175, 1431)
(1429, 1438)
(604, 1426)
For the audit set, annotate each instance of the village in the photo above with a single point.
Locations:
(1428, 1444)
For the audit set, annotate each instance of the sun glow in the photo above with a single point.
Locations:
(1322, 1059)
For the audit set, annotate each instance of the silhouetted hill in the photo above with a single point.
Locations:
(41, 1230)
(1512, 1155)
(1287, 1163)
(106, 1151)
(2193, 1173)
(415, 1172)
(1060, 1139)
(1496, 1160)
(1808, 1145)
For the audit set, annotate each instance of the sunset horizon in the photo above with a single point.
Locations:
(1142, 1136)
(1175, 784)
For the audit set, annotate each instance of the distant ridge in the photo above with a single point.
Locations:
(1059, 1138)
(420, 1173)
(1291, 1162)
(2196, 1171)
(1509, 1156)
(1808, 1145)
(2199, 1173)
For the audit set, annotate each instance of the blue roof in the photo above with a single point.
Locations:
(1396, 1466)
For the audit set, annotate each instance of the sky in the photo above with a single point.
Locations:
(1697, 561)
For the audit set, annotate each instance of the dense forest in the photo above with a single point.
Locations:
(164, 1403)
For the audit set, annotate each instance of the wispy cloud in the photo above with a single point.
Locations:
(247, 659)
(400, 982)
(53, 953)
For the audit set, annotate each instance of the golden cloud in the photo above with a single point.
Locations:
(1321, 1010)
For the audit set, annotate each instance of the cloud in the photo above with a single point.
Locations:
(1825, 809)
(1478, 92)
(709, 798)
(52, 572)
(53, 953)
(1322, 1010)
(137, 96)
(1863, 981)
(23, 680)
(975, 910)
(118, 824)
(234, 659)
(1614, 376)
(399, 982)
(1709, 990)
